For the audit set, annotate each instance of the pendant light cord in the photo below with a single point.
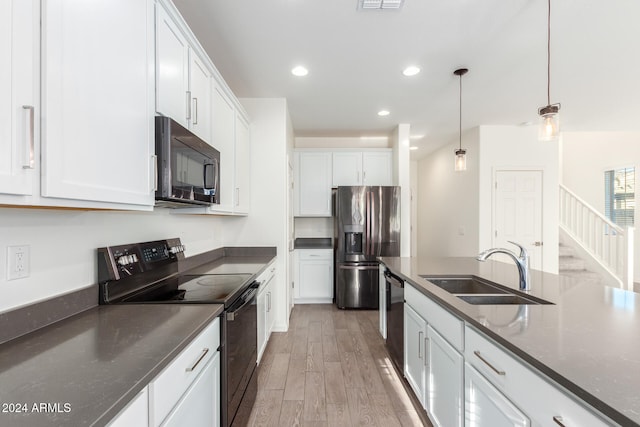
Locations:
(548, 53)
(460, 121)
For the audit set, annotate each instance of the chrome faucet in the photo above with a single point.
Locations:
(522, 262)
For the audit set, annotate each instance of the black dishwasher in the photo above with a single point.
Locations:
(395, 318)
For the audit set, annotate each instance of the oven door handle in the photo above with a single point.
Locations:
(248, 298)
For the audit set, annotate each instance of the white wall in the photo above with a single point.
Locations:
(448, 201)
(341, 142)
(63, 245)
(504, 147)
(585, 157)
(455, 208)
(267, 224)
(314, 227)
(402, 177)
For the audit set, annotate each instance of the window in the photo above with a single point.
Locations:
(619, 193)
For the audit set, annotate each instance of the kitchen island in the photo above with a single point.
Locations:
(586, 341)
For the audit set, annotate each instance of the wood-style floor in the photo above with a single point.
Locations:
(330, 369)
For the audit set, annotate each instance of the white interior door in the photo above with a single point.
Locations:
(518, 212)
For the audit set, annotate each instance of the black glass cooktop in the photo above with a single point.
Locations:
(196, 289)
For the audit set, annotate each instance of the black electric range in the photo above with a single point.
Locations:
(148, 273)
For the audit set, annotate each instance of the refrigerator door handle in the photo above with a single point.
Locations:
(367, 224)
(359, 267)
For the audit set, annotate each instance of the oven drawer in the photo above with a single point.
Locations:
(168, 387)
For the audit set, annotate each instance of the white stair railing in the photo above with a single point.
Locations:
(609, 244)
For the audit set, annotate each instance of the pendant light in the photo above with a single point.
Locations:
(549, 114)
(460, 163)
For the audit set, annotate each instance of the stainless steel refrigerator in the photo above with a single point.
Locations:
(367, 226)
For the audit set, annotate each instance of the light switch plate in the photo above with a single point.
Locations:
(18, 262)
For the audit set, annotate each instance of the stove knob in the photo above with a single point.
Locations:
(123, 260)
(131, 259)
(134, 257)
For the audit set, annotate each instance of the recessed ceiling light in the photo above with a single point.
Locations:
(411, 71)
(299, 71)
(413, 147)
(383, 113)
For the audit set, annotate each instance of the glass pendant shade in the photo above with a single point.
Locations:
(460, 160)
(549, 129)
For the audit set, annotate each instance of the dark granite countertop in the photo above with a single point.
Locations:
(91, 365)
(313, 243)
(587, 341)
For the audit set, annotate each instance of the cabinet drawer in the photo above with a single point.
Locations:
(315, 254)
(267, 274)
(170, 385)
(448, 325)
(543, 401)
(494, 363)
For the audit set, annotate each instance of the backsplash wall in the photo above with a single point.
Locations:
(63, 243)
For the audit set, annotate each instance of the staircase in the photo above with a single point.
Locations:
(573, 266)
(609, 248)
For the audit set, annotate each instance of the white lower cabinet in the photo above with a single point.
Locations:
(433, 366)
(445, 373)
(314, 276)
(189, 388)
(197, 408)
(415, 334)
(543, 402)
(266, 312)
(486, 406)
(136, 413)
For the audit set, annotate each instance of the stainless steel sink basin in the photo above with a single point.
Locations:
(499, 299)
(465, 285)
(476, 291)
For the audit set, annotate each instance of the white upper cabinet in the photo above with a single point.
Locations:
(313, 178)
(224, 141)
(242, 180)
(362, 168)
(19, 109)
(376, 168)
(184, 81)
(201, 93)
(172, 69)
(97, 101)
(347, 169)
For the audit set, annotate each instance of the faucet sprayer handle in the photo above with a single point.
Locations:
(523, 252)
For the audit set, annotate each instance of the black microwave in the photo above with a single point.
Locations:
(188, 168)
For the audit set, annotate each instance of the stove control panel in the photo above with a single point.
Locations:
(125, 261)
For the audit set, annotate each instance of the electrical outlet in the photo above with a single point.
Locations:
(18, 262)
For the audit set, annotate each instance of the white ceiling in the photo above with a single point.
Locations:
(355, 60)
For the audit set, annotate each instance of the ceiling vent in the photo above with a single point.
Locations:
(380, 4)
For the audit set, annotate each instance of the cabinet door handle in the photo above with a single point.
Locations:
(477, 353)
(269, 302)
(237, 196)
(419, 344)
(558, 420)
(426, 347)
(29, 136)
(364, 176)
(154, 168)
(357, 177)
(204, 353)
(195, 110)
(188, 105)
